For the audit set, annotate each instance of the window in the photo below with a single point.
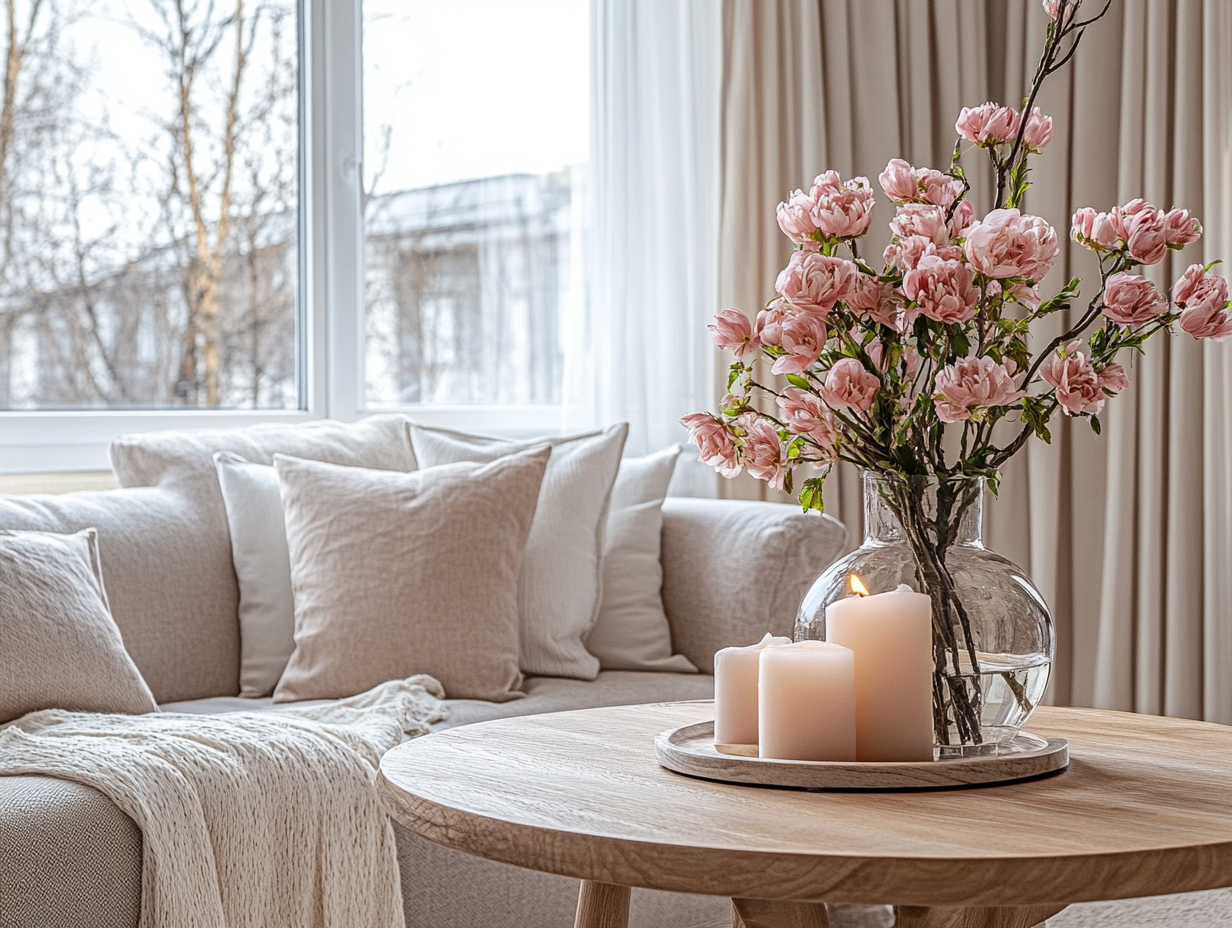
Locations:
(190, 235)
(149, 188)
(476, 137)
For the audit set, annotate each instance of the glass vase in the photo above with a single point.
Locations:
(993, 640)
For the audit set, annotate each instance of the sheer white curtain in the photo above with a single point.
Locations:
(642, 353)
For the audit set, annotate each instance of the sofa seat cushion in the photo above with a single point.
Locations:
(543, 694)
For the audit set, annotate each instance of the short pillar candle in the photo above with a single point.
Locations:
(807, 702)
(891, 636)
(735, 691)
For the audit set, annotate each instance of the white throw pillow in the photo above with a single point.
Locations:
(263, 569)
(561, 579)
(631, 632)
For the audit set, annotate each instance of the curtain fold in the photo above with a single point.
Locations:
(640, 354)
(1128, 534)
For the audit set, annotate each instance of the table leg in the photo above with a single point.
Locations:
(602, 905)
(991, 916)
(777, 913)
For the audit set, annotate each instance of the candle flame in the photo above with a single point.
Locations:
(858, 587)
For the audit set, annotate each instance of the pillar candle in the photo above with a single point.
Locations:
(735, 692)
(807, 702)
(891, 636)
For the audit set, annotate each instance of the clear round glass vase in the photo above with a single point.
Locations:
(993, 639)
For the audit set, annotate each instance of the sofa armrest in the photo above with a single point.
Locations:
(68, 857)
(734, 570)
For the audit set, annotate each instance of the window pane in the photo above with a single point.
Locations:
(476, 137)
(148, 205)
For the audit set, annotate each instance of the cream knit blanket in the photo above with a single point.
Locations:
(249, 819)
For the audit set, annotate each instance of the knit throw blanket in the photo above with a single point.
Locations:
(249, 819)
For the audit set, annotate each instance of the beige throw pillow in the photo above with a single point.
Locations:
(59, 647)
(396, 574)
(561, 582)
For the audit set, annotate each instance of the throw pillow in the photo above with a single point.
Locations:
(181, 462)
(631, 632)
(59, 646)
(559, 590)
(263, 569)
(396, 574)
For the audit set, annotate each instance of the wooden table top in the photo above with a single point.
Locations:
(1144, 808)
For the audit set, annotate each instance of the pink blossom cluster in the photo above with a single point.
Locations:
(906, 184)
(832, 209)
(1080, 388)
(1142, 231)
(1007, 243)
(991, 124)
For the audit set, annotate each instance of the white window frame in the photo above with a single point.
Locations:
(331, 332)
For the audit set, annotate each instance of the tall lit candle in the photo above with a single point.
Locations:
(735, 692)
(807, 702)
(891, 636)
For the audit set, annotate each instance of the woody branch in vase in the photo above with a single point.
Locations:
(888, 367)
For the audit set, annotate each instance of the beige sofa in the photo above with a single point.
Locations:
(69, 858)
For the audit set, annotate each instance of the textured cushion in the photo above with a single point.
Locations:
(734, 570)
(263, 569)
(176, 547)
(560, 586)
(395, 574)
(631, 631)
(174, 604)
(59, 647)
(69, 857)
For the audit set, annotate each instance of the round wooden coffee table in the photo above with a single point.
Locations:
(1145, 808)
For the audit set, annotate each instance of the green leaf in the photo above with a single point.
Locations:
(787, 482)
(734, 374)
(1062, 300)
(810, 494)
(1095, 426)
(799, 380)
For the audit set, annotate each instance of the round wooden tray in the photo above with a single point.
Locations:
(690, 750)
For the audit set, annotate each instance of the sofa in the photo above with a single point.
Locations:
(732, 570)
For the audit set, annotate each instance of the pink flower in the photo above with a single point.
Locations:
(906, 184)
(1132, 300)
(1095, 230)
(1053, 9)
(770, 324)
(850, 386)
(803, 337)
(765, 456)
(907, 252)
(1202, 299)
(988, 124)
(842, 211)
(964, 213)
(805, 414)
(795, 217)
(975, 384)
(1007, 243)
(1070, 373)
(874, 300)
(1112, 379)
(714, 441)
(1038, 132)
(815, 282)
(1180, 228)
(941, 290)
(898, 180)
(731, 332)
(923, 219)
(1145, 235)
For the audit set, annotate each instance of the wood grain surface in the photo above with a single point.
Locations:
(1144, 808)
(690, 749)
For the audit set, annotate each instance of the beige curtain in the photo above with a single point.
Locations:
(1129, 535)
